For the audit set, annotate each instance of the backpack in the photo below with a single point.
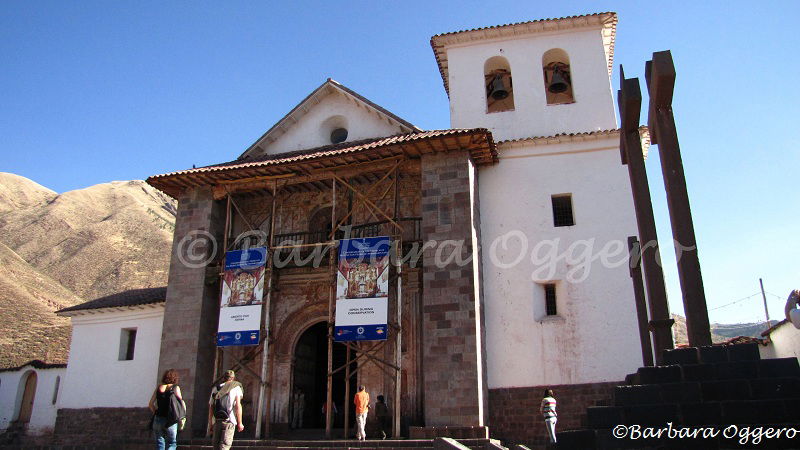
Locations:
(221, 404)
(177, 410)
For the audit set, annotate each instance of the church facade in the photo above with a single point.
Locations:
(509, 271)
(512, 228)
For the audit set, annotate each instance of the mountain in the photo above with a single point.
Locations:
(94, 241)
(719, 332)
(28, 328)
(19, 192)
(61, 250)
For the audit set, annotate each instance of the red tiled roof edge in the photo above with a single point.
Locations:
(451, 33)
(36, 364)
(329, 150)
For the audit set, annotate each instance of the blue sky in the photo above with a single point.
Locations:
(99, 91)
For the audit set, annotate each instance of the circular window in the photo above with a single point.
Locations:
(339, 135)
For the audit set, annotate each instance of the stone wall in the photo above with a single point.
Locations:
(192, 307)
(103, 427)
(514, 412)
(453, 346)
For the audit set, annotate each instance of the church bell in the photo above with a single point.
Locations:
(558, 81)
(497, 89)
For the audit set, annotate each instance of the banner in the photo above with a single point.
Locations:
(362, 289)
(242, 295)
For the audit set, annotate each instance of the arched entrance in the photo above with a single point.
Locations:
(28, 395)
(310, 376)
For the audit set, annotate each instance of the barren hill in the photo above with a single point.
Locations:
(19, 192)
(719, 332)
(96, 241)
(28, 328)
(60, 250)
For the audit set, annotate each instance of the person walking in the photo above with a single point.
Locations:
(166, 433)
(298, 408)
(361, 401)
(548, 410)
(384, 418)
(225, 411)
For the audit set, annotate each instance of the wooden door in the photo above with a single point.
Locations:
(26, 408)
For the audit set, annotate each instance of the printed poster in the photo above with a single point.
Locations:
(362, 289)
(242, 296)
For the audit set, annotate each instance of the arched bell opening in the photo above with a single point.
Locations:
(499, 85)
(557, 77)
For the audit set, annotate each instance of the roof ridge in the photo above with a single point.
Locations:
(336, 85)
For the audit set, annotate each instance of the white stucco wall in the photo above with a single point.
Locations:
(95, 377)
(594, 338)
(784, 343)
(593, 108)
(12, 386)
(313, 130)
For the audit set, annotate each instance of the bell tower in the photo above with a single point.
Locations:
(538, 78)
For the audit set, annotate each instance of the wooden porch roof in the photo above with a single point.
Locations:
(310, 166)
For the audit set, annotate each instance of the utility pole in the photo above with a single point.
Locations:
(764, 296)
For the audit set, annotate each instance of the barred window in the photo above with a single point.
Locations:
(550, 299)
(562, 211)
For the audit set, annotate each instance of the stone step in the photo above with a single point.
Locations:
(712, 354)
(698, 413)
(727, 370)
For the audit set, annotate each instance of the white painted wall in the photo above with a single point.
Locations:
(313, 130)
(784, 343)
(12, 385)
(95, 376)
(593, 108)
(594, 338)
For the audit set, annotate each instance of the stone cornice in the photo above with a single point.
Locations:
(607, 21)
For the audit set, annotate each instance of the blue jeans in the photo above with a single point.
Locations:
(166, 436)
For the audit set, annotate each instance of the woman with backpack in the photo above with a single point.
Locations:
(162, 404)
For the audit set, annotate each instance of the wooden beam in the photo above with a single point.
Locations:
(629, 101)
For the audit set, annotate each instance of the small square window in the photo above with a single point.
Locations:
(127, 344)
(562, 211)
(550, 300)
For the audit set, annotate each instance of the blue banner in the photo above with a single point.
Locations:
(229, 338)
(360, 333)
(362, 289)
(251, 258)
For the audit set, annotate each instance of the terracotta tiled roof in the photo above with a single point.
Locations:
(320, 152)
(133, 297)
(607, 19)
(36, 364)
(582, 134)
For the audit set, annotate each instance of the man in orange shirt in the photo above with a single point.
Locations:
(362, 408)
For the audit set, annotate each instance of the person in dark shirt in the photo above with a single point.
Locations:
(384, 417)
(166, 434)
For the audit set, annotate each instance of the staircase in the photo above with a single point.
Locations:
(729, 390)
(243, 444)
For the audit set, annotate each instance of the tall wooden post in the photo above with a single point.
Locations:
(262, 414)
(634, 260)
(331, 306)
(399, 335)
(346, 403)
(660, 76)
(630, 104)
